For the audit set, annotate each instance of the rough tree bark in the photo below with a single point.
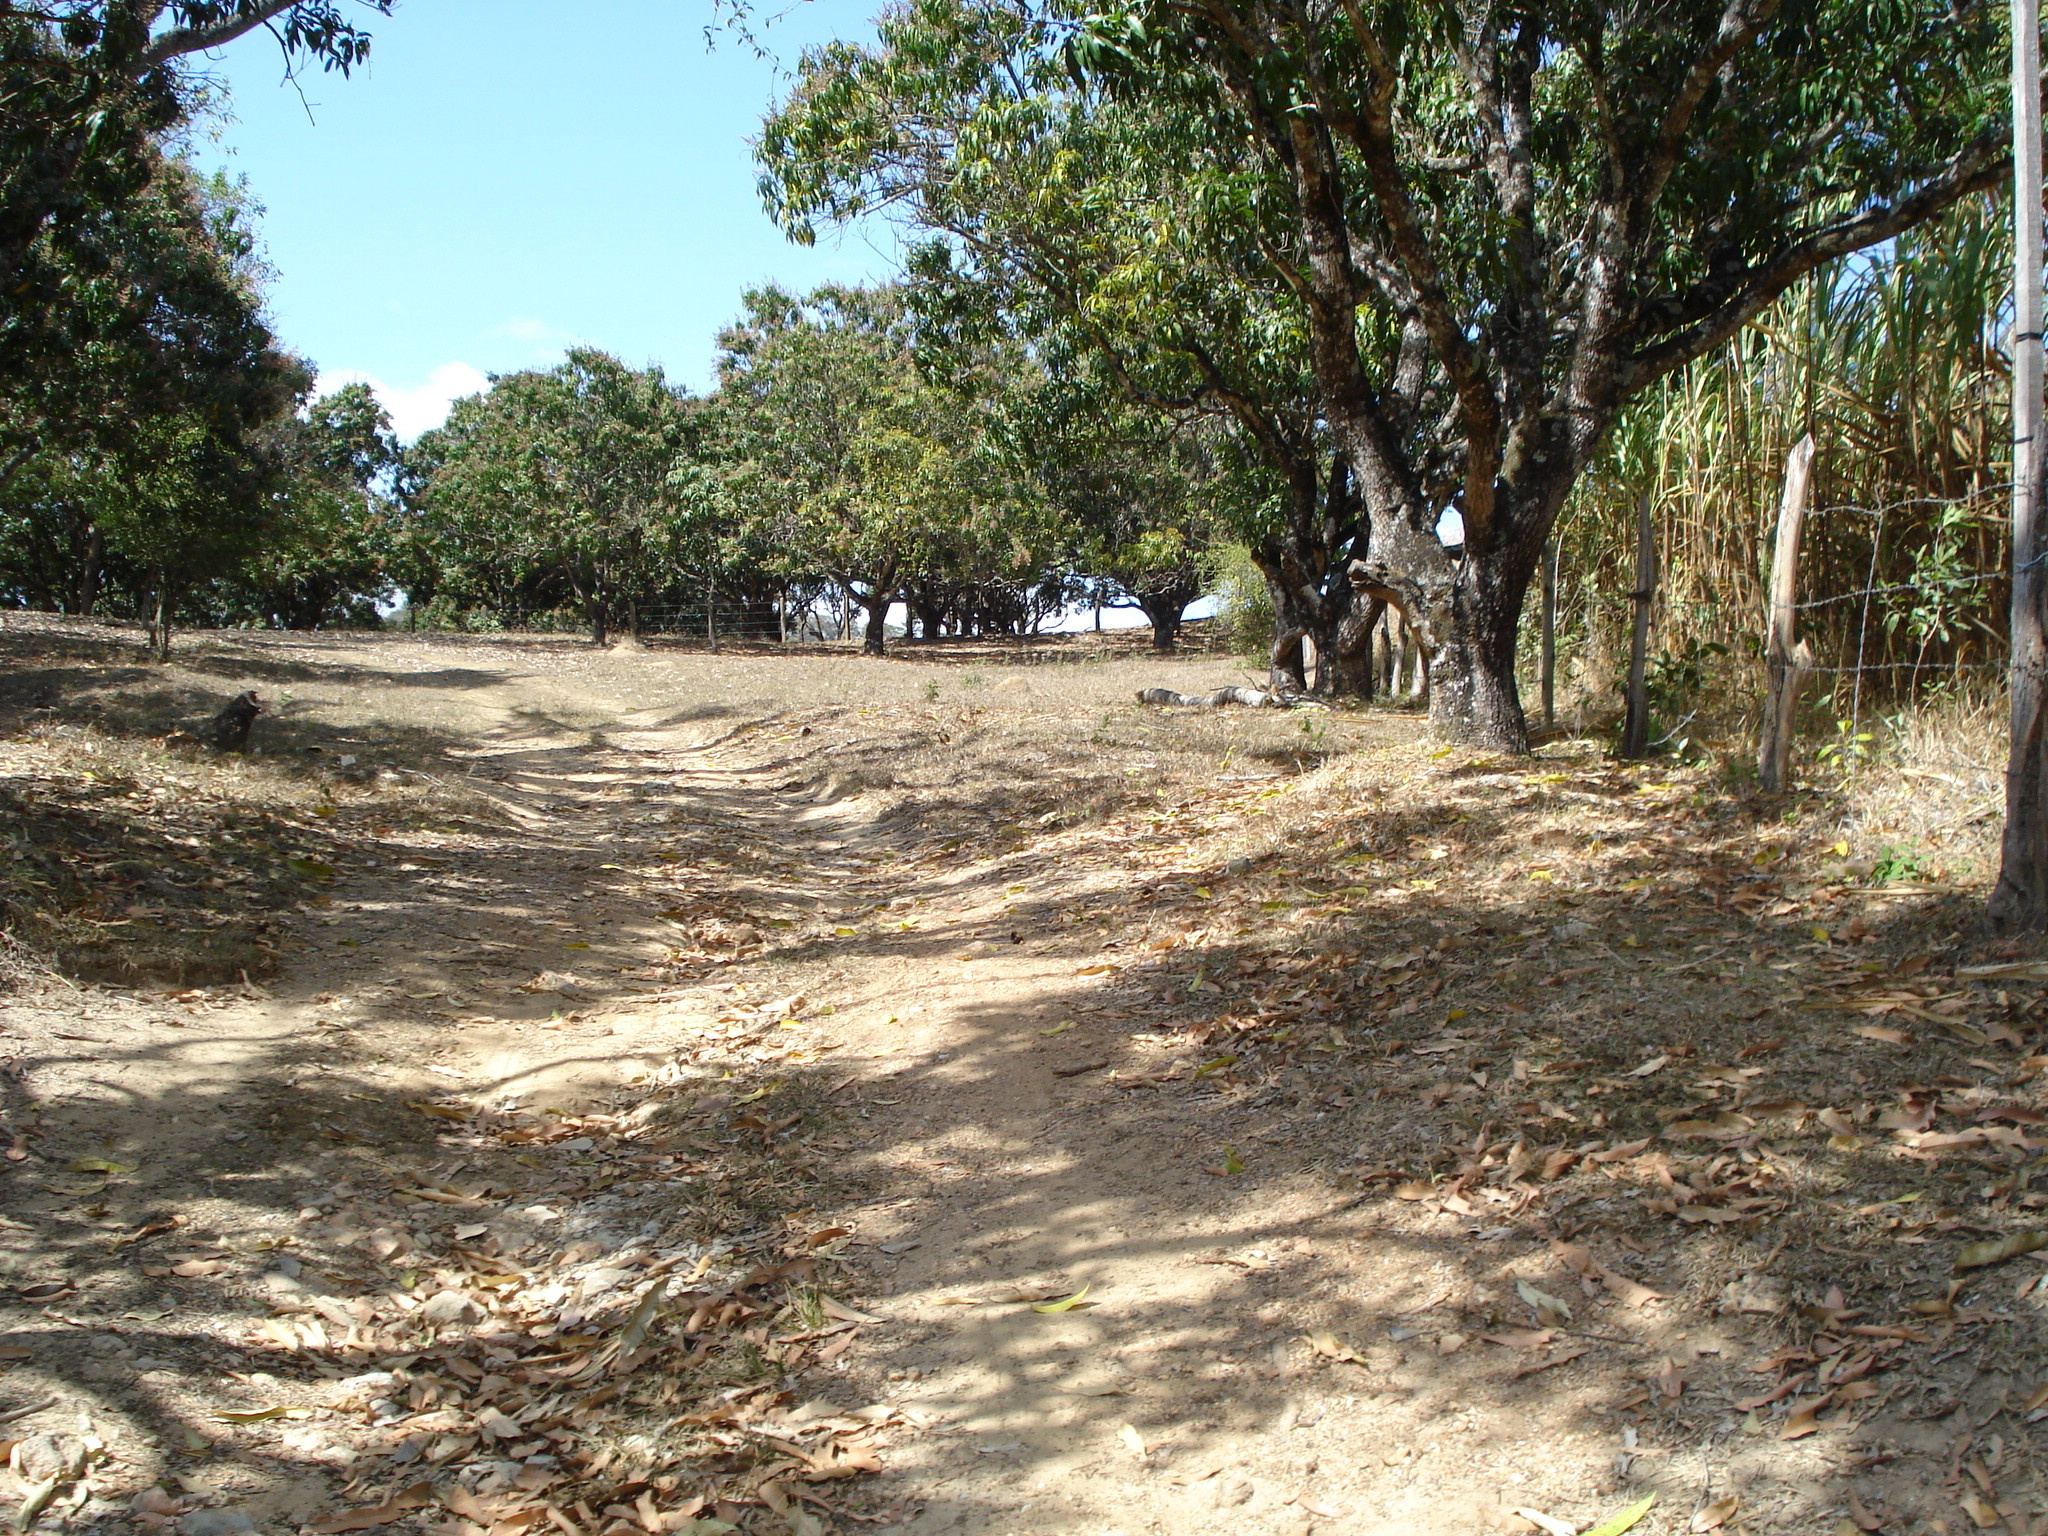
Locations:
(1354, 661)
(876, 606)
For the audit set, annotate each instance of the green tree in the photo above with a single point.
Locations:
(1145, 498)
(1494, 225)
(327, 558)
(863, 468)
(88, 87)
(566, 473)
(150, 392)
(1124, 246)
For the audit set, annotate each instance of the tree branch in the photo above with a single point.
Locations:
(1740, 22)
(180, 41)
(1721, 305)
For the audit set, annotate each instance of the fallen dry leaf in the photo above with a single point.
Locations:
(1327, 1344)
(1804, 1420)
(1711, 1517)
(1521, 1338)
(1998, 1250)
(1884, 1033)
(418, 1496)
(1547, 1307)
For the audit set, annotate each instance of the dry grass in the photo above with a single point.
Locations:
(1515, 1012)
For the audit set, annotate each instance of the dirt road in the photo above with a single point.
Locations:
(991, 1108)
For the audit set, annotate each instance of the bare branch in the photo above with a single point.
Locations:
(180, 41)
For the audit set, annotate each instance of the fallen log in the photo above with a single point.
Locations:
(1251, 698)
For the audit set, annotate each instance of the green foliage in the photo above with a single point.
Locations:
(1124, 245)
(553, 485)
(138, 425)
(1849, 748)
(1452, 244)
(851, 461)
(1896, 366)
(328, 557)
(1244, 613)
(1900, 862)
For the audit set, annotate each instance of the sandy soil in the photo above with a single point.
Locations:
(689, 1093)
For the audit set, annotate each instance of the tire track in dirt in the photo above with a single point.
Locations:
(967, 1025)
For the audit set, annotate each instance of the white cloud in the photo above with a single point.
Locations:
(538, 332)
(421, 407)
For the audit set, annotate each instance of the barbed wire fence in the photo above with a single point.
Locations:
(1930, 609)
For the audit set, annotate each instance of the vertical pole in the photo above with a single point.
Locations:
(1635, 739)
(711, 615)
(1786, 662)
(2020, 899)
(782, 614)
(1549, 654)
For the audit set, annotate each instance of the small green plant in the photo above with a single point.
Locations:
(931, 690)
(1314, 728)
(1850, 748)
(1678, 677)
(808, 1305)
(1900, 863)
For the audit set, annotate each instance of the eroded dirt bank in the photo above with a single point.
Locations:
(674, 1089)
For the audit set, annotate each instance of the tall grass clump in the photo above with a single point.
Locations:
(1897, 364)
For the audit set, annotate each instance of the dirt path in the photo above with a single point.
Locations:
(783, 1119)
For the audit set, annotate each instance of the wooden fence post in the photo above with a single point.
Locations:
(1788, 662)
(1635, 738)
(1549, 654)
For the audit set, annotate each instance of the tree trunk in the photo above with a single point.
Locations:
(877, 608)
(1786, 662)
(89, 573)
(1164, 611)
(590, 595)
(160, 625)
(1473, 697)
(1354, 662)
(1286, 668)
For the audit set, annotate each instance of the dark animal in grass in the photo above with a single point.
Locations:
(228, 731)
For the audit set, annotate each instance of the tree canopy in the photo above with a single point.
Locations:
(1490, 227)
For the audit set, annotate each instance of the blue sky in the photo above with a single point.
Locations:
(510, 177)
